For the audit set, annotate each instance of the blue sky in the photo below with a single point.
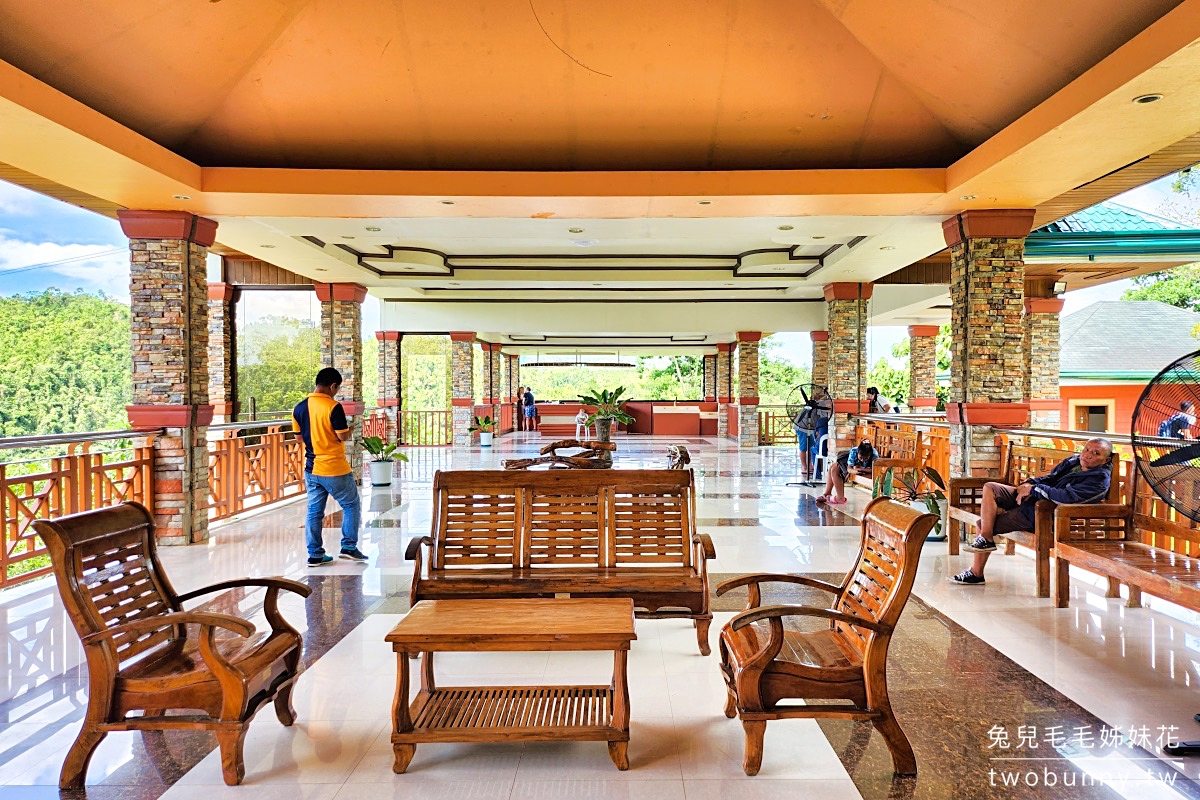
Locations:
(46, 243)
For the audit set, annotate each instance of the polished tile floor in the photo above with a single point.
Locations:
(1002, 694)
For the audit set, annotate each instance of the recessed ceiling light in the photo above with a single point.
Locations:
(182, 196)
(447, 202)
(818, 237)
(969, 197)
(583, 242)
(597, 284)
(785, 227)
(374, 229)
(1142, 99)
(729, 284)
(347, 237)
(320, 269)
(574, 230)
(887, 247)
(704, 202)
(454, 283)
(267, 246)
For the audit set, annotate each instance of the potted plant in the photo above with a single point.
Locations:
(383, 454)
(609, 407)
(905, 487)
(485, 427)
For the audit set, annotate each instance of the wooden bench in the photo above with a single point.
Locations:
(1146, 545)
(147, 656)
(895, 449)
(1021, 463)
(580, 533)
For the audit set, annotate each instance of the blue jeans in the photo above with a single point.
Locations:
(345, 490)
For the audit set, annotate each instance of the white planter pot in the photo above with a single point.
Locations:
(938, 533)
(485, 438)
(381, 473)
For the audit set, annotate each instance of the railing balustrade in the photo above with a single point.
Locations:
(49, 486)
(425, 428)
(933, 446)
(252, 465)
(775, 426)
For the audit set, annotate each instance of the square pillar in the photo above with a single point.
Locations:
(724, 390)
(747, 344)
(987, 288)
(391, 376)
(846, 321)
(820, 357)
(221, 354)
(710, 378)
(1040, 377)
(491, 373)
(341, 348)
(462, 381)
(168, 298)
(922, 367)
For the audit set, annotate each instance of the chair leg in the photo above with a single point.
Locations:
(1010, 547)
(1062, 582)
(74, 768)
(284, 709)
(702, 635)
(233, 763)
(904, 762)
(752, 759)
(1114, 587)
(730, 703)
(1135, 597)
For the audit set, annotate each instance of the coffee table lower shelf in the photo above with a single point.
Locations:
(512, 714)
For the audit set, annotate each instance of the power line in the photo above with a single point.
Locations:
(61, 261)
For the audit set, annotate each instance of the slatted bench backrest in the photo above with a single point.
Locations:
(896, 444)
(1026, 462)
(596, 518)
(108, 574)
(883, 574)
(1157, 523)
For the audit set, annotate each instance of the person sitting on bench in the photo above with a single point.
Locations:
(851, 462)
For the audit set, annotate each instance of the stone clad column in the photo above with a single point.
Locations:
(724, 390)
(493, 392)
(168, 298)
(221, 355)
(922, 367)
(1041, 339)
(747, 343)
(462, 372)
(709, 389)
(391, 378)
(341, 348)
(846, 317)
(820, 357)
(987, 287)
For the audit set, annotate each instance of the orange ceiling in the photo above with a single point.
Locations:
(561, 85)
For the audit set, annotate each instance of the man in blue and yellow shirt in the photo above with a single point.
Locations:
(321, 422)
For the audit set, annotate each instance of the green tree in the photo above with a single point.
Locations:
(65, 365)
(893, 381)
(277, 359)
(1178, 287)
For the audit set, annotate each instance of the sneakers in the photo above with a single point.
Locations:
(969, 578)
(353, 555)
(319, 561)
(980, 545)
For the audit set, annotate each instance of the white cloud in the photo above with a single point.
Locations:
(17, 200)
(88, 266)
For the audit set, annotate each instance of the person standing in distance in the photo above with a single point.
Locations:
(321, 422)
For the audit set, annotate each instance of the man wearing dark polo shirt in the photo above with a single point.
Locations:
(321, 422)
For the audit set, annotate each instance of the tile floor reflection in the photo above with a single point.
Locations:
(967, 664)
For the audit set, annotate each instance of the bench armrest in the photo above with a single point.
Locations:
(768, 577)
(704, 545)
(206, 619)
(413, 553)
(768, 612)
(302, 589)
(1063, 514)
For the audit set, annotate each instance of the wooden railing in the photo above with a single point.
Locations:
(252, 465)
(775, 426)
(933, 442)
(79, 478)
(425, 428)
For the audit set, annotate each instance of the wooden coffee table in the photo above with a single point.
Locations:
(512, 713)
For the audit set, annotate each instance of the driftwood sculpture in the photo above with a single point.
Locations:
(592, 456)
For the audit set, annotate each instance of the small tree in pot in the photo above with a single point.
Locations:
(905, 486)
(609, 407)
(383, 455)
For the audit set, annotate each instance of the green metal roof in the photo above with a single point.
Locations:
(1110, 217)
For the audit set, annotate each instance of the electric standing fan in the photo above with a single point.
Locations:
(810, 408)
(1164, 451)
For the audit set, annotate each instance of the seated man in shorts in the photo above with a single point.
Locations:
(1082, 478)
(859, 459)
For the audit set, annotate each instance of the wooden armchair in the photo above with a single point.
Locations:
(764, 665)
(146, 655)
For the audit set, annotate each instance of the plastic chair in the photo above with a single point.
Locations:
(819, 462)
